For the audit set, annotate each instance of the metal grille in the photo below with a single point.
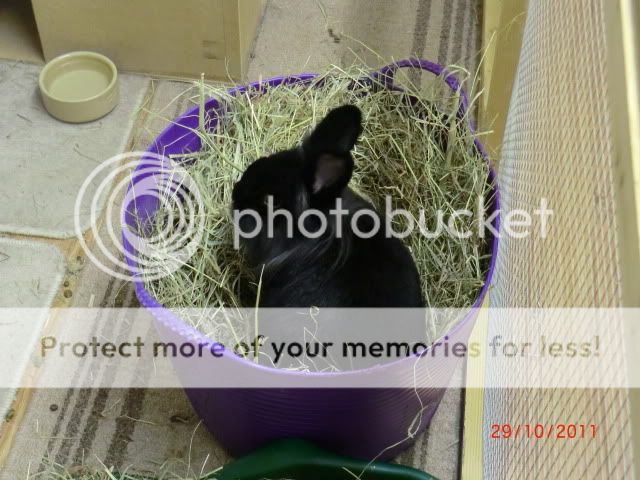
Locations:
(558, 146)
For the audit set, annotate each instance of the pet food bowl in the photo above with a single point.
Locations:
(358, 422)
(79, 86)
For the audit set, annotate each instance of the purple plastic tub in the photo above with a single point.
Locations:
(359, 422)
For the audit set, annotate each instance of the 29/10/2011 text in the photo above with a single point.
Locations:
(539, 431)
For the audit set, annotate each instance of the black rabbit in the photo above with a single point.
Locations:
(339, 267)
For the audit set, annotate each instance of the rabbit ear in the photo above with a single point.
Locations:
(337, 132)
(327, 160)
(331, 172)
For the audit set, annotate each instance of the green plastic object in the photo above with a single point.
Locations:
(301, 460)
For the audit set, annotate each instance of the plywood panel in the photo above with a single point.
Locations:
(18, 34)
(157, 36)
(503, 25)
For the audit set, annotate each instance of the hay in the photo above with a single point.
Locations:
(422, 155)
(166, 471)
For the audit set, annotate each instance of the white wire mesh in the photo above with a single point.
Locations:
(557, 145)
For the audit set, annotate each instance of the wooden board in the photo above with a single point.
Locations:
(154, 36)
(623, 27)
(472, 453)
(18, 33)
(502, 29)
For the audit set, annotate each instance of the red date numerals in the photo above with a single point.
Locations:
(558, 431)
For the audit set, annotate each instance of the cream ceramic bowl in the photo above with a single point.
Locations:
(79, 86)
